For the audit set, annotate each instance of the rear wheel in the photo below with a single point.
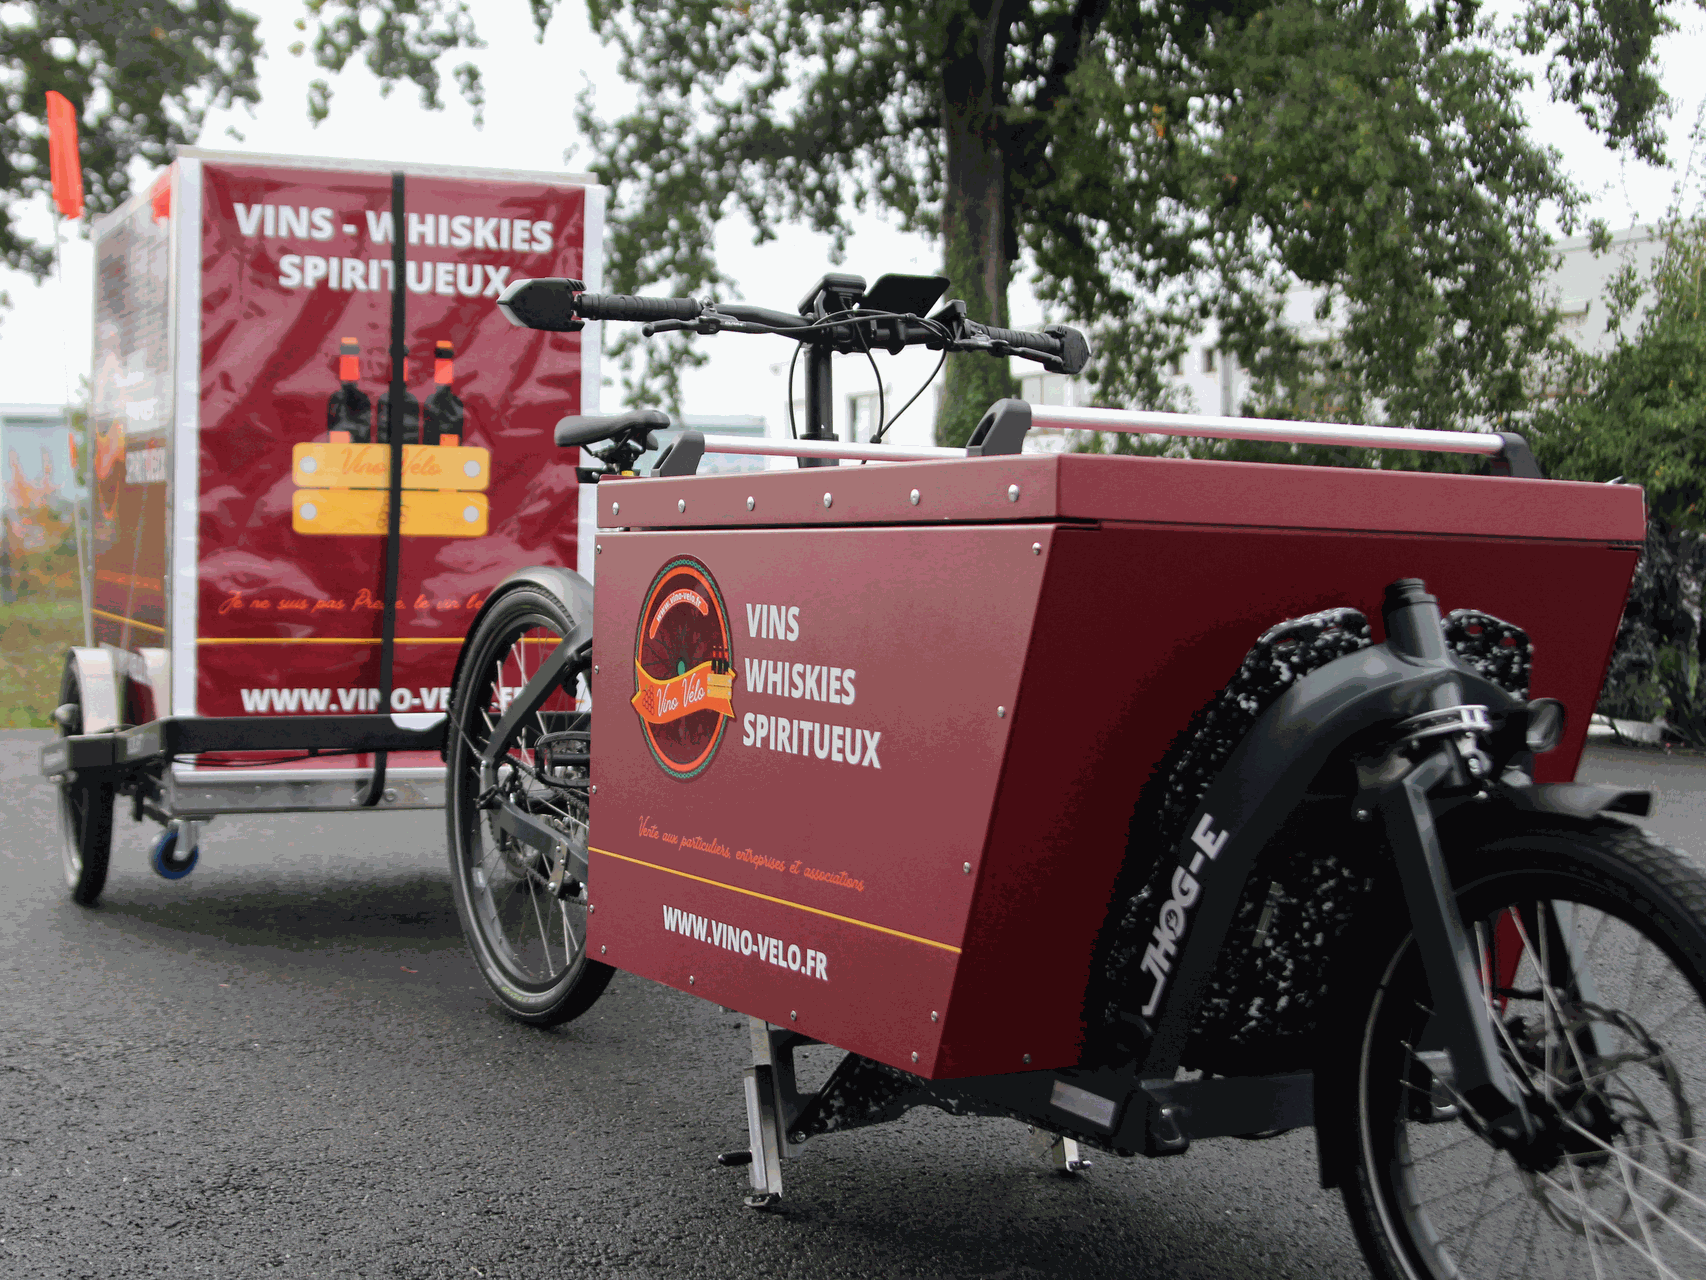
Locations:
(528, 940)
(1593, 948)
(85, 807)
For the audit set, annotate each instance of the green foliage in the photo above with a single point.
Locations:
(1162, 165)
(398, 40)
(1637, 412)
(142, 76)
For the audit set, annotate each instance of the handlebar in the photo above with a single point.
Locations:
(563, 306)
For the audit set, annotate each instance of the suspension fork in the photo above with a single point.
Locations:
(1451, 963)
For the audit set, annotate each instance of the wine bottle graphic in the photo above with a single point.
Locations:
(444, 413)
(411, 415)
(348, 410)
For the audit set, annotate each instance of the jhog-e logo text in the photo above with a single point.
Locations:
(1175, 912)
(683, 676)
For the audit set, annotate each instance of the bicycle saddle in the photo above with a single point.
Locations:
(575, 431)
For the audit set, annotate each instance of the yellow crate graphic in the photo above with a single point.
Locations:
(425, 514)
(368, 466)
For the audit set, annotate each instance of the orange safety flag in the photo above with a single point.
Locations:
(64, 164)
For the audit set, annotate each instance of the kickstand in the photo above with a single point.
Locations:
(771, 1101)
(1062, 1152)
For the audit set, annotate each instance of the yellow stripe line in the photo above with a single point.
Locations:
(119, 617)
(863, 924)
(324, 640)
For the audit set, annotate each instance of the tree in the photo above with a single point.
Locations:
(1637, 413)
(1158, 165)
(142, 77)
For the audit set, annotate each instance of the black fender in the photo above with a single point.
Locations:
(1581, 799)
(572, 590)
(1263, 781)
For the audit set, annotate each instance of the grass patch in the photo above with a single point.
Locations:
(34, 635)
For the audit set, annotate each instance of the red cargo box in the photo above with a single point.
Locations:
(893, 820)
(242, 331)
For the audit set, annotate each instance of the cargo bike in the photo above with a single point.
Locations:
(1144, 800)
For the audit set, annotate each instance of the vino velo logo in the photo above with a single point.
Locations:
(683, 675)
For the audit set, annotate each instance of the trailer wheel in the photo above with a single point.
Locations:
(528, 941)
(85, 806)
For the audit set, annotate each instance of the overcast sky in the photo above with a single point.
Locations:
(45, 336)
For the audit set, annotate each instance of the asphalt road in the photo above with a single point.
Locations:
(286, 1065)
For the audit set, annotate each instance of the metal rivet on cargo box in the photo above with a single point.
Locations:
(793, 1015)
(681, 504)
(390, 795)
(750, 504)
(309, 511)
(690, 983)
(595, 668)
(1036, 548)
(932, 1015)
(589, 908)
(602, 950)
(1001, 713)
(615, 508)
(915, 1055)
(1012, 493)
(471, 514)
(599, 548)
(827, 500)
(594, 790)
(1027, 1057)
(914, 497)
(470, 468)
(966, 867)
(309, 466)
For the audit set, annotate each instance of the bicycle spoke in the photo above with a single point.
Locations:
(1587, 1236)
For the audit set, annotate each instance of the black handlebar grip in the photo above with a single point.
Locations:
(1067, 346)
(621, 306)
(1041, 343)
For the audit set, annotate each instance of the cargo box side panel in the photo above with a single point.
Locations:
(1137, 629)
(295, 367)
(804, 848)
(131, 418)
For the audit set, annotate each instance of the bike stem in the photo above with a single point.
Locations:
(820, 401)
(1451, 964)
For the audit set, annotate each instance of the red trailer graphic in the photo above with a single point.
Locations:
(241, 407)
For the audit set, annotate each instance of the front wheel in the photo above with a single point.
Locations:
(1592, 942)
(528, 940)
(85, 806)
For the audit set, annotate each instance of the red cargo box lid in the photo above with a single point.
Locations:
(1082, 486)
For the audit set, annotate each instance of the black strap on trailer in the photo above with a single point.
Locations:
(394, 499)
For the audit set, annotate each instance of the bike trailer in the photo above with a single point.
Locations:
(241, 407)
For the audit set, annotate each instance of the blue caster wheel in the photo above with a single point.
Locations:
(166, 859)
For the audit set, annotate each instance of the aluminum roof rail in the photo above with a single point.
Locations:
(830, 449)
(1005, 426)
(1507, 447)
